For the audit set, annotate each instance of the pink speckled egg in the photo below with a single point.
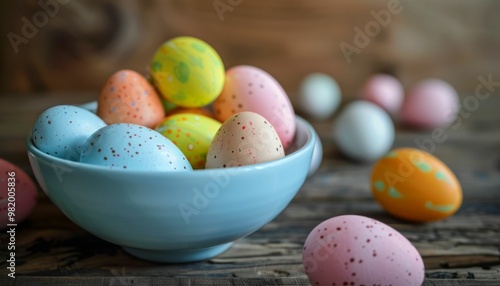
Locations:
(245, 138)
(17, 194)
(385, 91)
(429, 104)
(248, 88)
(357, 250)
(127, 97)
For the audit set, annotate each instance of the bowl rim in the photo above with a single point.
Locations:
(308, 145)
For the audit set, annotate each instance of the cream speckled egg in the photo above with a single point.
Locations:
(245, 138)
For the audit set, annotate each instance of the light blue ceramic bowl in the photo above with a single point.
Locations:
(175, 216)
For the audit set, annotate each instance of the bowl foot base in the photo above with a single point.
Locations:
(178, 256)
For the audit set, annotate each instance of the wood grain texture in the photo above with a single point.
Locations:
(87, 41)
(461, 250)
(140, 281)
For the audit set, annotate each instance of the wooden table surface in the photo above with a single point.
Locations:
(461, 250)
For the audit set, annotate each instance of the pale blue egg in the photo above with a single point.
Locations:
(320, 96)
(364, 131)
(61, 130)
(133, 147)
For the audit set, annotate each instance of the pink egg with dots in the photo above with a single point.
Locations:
(17, 194)
(249, 88)
(385, 91)
(127, 97)
(357, 250)
(430, 103)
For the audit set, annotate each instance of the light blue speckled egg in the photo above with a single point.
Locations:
(133, 147)
(61, 130)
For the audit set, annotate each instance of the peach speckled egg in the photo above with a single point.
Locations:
(192, 133)
(429, 104)
(357, 250)
(248, 88)
(17, 194)
(414, 185)
(127, 97)
(245, 138)
(385, 91)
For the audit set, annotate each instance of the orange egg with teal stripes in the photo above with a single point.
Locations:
(416, 186)
(188, 72)
(192, 134)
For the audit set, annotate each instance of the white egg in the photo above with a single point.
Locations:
(363, 131)
(320, 95)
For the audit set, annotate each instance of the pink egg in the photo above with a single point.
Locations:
(385, 91)
(247, 88)
(431, 103)
(357, 250)
(17, 194)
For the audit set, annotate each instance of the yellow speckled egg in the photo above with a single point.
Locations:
(416, 186)
(188, 72)
(192, 133)
(200, 110)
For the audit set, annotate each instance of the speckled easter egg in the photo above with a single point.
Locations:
(200, 111)
(61, 130)
(243, 139)
(192, 133)
(249, 88)
(414, 185)
(188, 72)
(133, 147)
(127, 97)
(17, 194)
(357, 250)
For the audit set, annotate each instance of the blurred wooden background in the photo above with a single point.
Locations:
(85, 41)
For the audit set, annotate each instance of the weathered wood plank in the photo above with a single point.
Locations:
(144, 281)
